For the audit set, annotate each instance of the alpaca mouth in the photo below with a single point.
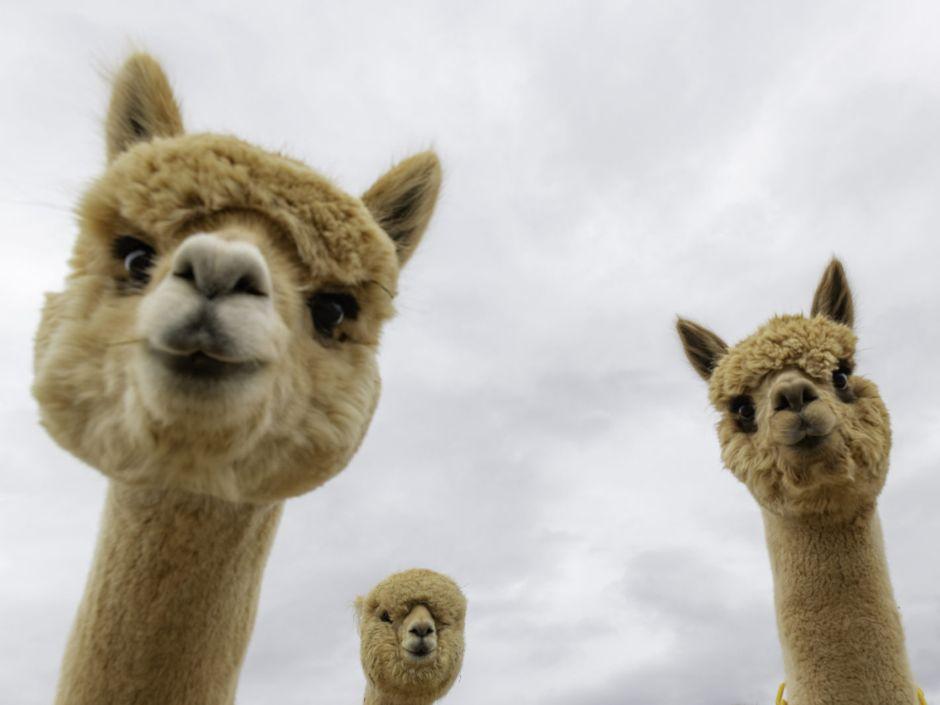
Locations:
(203, 365)
(809, 442)
(420, 653)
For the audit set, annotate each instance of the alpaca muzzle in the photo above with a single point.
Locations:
(212, 314)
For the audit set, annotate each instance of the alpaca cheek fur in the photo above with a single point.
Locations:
(318, 399)
(848, 476)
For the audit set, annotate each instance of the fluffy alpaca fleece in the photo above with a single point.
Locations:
(395, 676)
(811, 440)
(186, 361)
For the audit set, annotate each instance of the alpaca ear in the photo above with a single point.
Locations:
(358, 605)
(142, 105)
(403, 199)
(702, 347)
(833, 297)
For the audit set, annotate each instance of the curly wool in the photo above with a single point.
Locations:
(815, 345)
(162, 185)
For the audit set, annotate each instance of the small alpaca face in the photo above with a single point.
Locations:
(805, 434)
(411, 626)
(219, 328)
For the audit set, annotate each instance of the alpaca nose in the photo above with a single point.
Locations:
(793, 394)
(422, 629)
(217, 267)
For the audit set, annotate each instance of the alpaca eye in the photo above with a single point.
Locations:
(744, 412)
(329, 309)
(386, 617)
(743, 407)
(840, 379)
(137, 257)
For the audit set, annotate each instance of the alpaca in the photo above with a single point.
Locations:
(810, 440)
(213, 353)
(411, 627)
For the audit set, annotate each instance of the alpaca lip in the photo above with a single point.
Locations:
(809, 442)
(419, 654)
(201, 365)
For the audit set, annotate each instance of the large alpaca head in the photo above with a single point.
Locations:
(805, 434)
(411, 626)
(219, 327)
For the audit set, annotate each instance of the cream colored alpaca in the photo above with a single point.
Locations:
(810, 439)
(213, 353)
(411, 626)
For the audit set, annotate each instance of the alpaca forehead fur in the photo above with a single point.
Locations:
(385, 666)
(160, 186)
(814, 345)
(401, 591)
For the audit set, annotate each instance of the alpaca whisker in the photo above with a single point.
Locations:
(383, 288)
(125, 342)
(39, 204)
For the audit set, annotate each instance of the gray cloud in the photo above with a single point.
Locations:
(540, 436)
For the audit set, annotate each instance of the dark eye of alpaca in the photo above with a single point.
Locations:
(329, 309)
(386, 617)
(840, 378)
(743, 407)
(137, 257)
(744, 411)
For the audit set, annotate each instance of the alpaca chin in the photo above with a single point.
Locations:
(173, 396)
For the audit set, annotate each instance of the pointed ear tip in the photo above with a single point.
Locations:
(429, 155)
(429, 162)
(687, 327)
(140, 61)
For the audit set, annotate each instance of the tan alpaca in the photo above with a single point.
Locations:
(810, 439)
(213, 353)
(411, 626)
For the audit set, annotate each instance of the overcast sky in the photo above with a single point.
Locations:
(540, 438)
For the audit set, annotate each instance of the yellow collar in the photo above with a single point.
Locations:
(780, 701)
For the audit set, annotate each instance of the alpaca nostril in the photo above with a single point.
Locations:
(247, 285)
(422, 630)
(218, 267)
(794, 396)
(186, 272)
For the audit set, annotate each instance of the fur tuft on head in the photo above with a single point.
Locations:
(815, 345)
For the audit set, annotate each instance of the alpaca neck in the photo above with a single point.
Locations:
(376, 697)
(170, 600)
(839, 625)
